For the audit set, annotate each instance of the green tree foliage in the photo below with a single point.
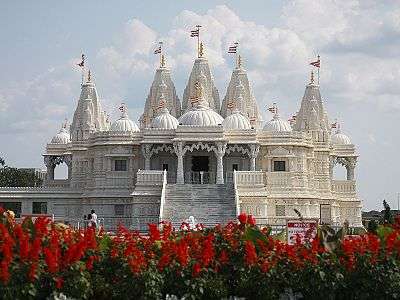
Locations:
(387, 214)
(13, 177)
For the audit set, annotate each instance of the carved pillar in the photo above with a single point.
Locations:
(49, 162)
(219, 153)
(68, 161)
(179, 151)
(146, 150)
(332, 162)
(254, 150)
(350, 166)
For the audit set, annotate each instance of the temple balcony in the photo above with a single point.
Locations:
(344, 188)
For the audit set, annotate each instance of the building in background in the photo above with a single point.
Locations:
(197, 157)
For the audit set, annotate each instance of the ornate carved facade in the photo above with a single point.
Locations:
(118, 169)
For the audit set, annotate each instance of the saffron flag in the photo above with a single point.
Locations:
(158, 50)
(232, 49)
(82, 63)
(272, 109)
(194, 33)
(316, 63)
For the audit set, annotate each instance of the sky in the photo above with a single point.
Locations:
(358, 41)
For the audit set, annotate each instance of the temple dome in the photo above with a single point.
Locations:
(340, 139)
(165, 120)
(202, 115)
(124, 123)
(277, 125)
(62, 137)
(236, 121)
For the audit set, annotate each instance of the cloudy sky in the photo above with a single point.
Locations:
(358, 41)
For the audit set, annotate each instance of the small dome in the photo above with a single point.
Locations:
(277, 125)
(165, 120)
(340, 139)
(201, 116)
(124, 123)
(236, 121)
(62, 137)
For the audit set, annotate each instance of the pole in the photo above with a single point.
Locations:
(237, 54)
(398, 203)
(198, 41)
(319, 67)
(161, 43)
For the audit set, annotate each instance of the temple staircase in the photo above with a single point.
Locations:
(209, 204)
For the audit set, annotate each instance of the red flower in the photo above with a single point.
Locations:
(250, 253)
(59, 282)
(89, 262)
(242, 218)
(32, 272)
(196, 269)
(223, 257)
(251, 220)
(154, 232)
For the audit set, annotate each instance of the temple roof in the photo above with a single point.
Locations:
(239, 92)
(201, 73)
(162, 84)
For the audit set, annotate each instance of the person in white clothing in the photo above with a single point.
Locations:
(94, 218)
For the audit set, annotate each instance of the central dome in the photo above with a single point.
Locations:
(165, 120)
(62, 137)
(277, 125)
(124, 123)
(340, 139)
(236, 121)
(201, 116)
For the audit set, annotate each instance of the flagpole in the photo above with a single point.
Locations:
(237, 54)
(319, 67)
(161, 43)
(198, 41)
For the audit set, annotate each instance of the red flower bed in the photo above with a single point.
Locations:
(42, 258)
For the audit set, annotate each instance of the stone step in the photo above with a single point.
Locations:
(210, 204)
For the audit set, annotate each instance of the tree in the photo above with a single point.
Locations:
(13, 177)
(387, 214)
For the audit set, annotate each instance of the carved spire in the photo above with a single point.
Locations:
(162, 84)
(312, 115)
(201, 73)
(239, 90)
(88, 116)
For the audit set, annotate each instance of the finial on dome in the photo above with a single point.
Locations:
(161, 102)
(201, 50)
(65, 124)
(124, 110)
(89, 76)
(162, 62)
(336, 126)
(239, 62)
(273, 109)
(312, 77)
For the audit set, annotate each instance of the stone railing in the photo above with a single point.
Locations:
(150, 177)
(162, 201)
(249, 178)
(236, 192)
(58, 183)
(344, 187)
(279, 179)
(200, 177)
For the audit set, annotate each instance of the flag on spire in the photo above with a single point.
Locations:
(196, 32)
(82, 63)
(273, 109)
(316, 63)
(233, 49)
(158, 50)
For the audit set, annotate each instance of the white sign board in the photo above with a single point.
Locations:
(306, 230)
(325, 214)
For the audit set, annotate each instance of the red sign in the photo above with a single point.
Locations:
(305, 230)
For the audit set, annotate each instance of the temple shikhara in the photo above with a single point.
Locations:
(199, 155)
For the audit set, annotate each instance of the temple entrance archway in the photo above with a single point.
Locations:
(200, 164)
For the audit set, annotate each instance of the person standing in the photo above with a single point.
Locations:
(94, 218)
